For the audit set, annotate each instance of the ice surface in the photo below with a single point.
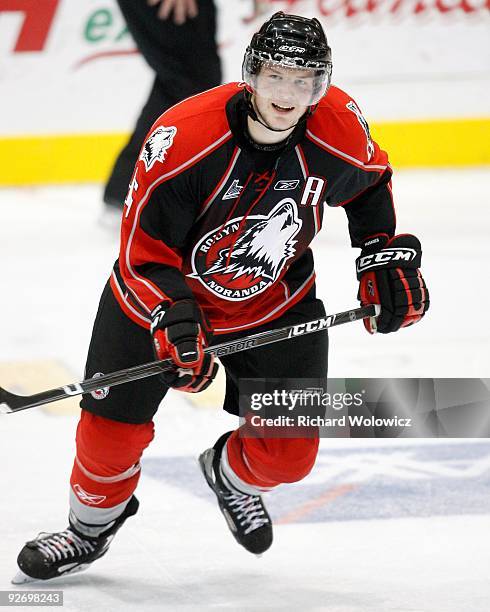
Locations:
(379, 525)
(55, 259)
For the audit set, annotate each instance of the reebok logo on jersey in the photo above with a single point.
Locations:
(233, 191)
(286, 185)
(158, 142)
(245, 257)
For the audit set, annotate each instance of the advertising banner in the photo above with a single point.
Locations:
(419, 69)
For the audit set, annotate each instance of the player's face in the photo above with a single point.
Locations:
(281, 95)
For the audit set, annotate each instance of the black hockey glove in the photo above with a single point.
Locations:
(178, 332)
(389, 275)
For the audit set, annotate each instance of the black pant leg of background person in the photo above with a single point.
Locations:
(185, 60)
(117, 185)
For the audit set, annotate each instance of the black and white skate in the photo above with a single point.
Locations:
(52, 555)
(245, 514)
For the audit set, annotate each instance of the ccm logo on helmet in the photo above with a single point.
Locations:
(292, 49)
(305, 328)
(385, 256)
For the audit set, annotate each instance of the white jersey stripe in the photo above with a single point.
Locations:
(300, 159)
(125, 300)
(344, 155)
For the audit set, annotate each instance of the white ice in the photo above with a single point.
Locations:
(177, 554)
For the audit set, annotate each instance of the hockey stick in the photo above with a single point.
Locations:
(9, 402)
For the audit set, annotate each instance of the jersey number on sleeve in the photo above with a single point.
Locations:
(128, 202)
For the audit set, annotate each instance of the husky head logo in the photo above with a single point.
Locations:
(263, 249)
(244, 257)
(157, 143)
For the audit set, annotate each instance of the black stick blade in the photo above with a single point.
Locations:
(8, 401)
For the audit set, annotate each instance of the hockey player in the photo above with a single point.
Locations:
(227, 194)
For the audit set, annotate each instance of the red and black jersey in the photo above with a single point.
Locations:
(210, 216)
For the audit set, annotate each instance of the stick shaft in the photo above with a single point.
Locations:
(10, 402)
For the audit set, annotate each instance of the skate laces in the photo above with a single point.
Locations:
(249, 508)
(63, 545)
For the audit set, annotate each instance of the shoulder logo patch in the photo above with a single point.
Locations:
(157, 143)
(352, 106)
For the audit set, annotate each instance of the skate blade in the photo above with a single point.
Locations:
(22, 578)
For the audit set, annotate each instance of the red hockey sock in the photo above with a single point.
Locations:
(106, 468)
(268, 462)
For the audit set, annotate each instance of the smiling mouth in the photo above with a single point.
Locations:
(282, 109)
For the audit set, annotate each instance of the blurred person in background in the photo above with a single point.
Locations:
(171, 35)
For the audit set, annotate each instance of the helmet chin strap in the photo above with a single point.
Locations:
(255, 115)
